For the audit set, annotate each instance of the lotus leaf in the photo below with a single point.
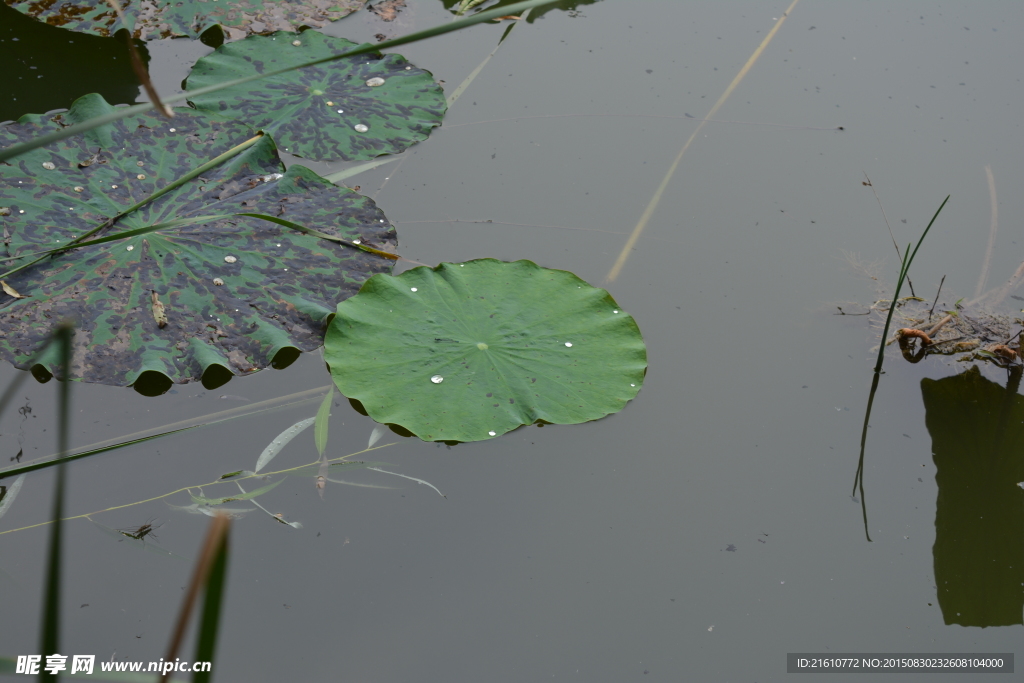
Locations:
(229, 290)
(464, 352)
(153, 19)
(354, 108)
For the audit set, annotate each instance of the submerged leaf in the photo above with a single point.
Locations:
(376, 434)
(356, 108)
(153, 19)
(404, 476)
(7, 500)
(323, 418)
(203, 500)
(280, 441)
(469, 351)
(203, 509)
(232, 291)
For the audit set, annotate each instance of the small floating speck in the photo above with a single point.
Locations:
(381, 220)
(79, 188)
(568, 343)
(21, 210)
(437, 379)
(173, 130)
(361, 127)
(129, 247)
(48, 165)
(279, 245)
(356, 242)
(230, 259)
(296, 43)
(141, 176)
(138, 163)
(493, 433)
(113, 187)
(341, 111)
(632, 385)
(614, 311)
(217, 281)
(412, 289)
(375, 81)
(407, 68)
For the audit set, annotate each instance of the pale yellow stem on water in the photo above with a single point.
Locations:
(653, 204)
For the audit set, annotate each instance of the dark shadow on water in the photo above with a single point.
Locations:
(151, 383)
(47, 68)
(216, 376)
(285, 357)
(977, 430)
(41, 374)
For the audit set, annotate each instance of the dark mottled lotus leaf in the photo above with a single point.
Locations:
(469, 351)
(325, 112)
(153, 19)
(278, 285)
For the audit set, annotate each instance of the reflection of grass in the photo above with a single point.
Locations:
(209, 575)
(908, 258)
(307, 470)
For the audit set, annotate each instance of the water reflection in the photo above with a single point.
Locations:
(977, 430)
(47, 68)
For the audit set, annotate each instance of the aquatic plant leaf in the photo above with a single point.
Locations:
(323, 419)
(469, 351)
(405, 476)
(376, 434)
(234, 291)
(10, 493)
(280, 441)
(242, 496)
(198, 509)
(155, 19)
(325, 112)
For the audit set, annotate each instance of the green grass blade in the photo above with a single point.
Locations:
(91, 124)
(50, 636)
(323, 418)
(96, 451)
(908, 258)
(289, 401)
(321, 235)
(356, 170)
(209, 620)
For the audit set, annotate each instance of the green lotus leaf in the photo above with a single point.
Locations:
(354, 108)
(464, 352)
(232, 290)
(153, 19)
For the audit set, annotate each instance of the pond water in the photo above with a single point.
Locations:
(708, 529)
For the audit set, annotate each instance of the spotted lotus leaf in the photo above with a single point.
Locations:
(153, 19)
(354, 108)
(469, 351)
(230, 291)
